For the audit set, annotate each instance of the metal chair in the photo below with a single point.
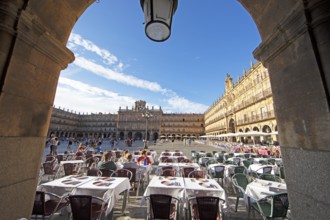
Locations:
(162, 207)
(240, 181)
(85, 207)
(168, 172)
(197, 174)
(70, 169)
(218, 173)
(272, 206)
(205, 208)
(47, 207)
(106, 172)
(122, 173)
(186, 170)
(94, 172)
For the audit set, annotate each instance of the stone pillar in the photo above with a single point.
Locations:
(297, 56)
(30, 62)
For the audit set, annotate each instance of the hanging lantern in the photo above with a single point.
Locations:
(158, 18)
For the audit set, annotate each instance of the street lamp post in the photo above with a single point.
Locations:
(146, 115)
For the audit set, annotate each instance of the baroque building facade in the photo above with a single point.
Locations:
(130, 123)
(246, 106)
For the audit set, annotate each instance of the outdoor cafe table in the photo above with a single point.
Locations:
(203, 187)
(172, 186)
(259, 189)
(107, 188)
(65, 184)
(84, 185)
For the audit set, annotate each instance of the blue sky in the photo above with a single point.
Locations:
(116, 64)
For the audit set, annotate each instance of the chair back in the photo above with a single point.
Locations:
(167, 168)
(81, 207)
(219, 171)
(197, 174)
(246, 163)
(280, 205)
(186, 161)
(220, 159)
(211, 161)
(94, 172)
(106, 172)
(169, 160)
(209, 154)
(48, 168)
(204, 161)
(208, 207)
(240, 181)
(267, 169)
(236, 160)
(180, 159)
(122, 173)
(160, 206)
(168, 172)
(50, 158)
(239, 169)
(186, 171)
(39, 203)
(69, 169)
(163, 159)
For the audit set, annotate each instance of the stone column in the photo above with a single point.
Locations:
(31, 60)
(297, 55)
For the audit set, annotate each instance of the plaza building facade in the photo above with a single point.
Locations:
(245, 106)
(129, 123)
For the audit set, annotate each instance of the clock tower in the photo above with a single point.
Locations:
(140, 105)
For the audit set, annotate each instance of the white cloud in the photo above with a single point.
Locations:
(82, 97)
(182, 105)
(119, 77)
(76, 39)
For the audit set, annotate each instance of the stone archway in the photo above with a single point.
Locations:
(295, 49)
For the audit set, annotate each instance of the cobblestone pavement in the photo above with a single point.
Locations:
(135, 210)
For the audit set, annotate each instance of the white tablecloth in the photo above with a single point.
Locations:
(84, 185)
(109, 193)
(259, 189)
(169, 186)
(203, 187)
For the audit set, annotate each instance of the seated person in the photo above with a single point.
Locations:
(130, 163)
(106, 162)
(144, 159)
(123, 159)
